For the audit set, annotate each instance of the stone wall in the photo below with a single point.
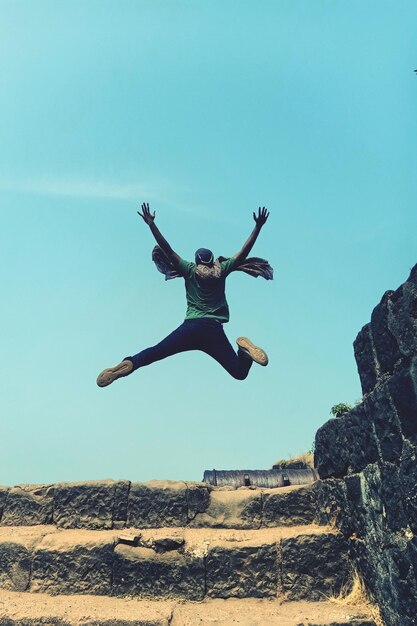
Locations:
(368, 458)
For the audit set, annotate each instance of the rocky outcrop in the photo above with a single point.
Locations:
(368, 458)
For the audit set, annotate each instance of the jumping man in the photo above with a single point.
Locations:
(207, 308)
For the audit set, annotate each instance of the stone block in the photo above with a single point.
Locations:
(331, 455)
(315, 566)
(397, 583)
(409, 451)
(157, 504)
(393, 499)
(403, 390)
(362, 442)
(121, 496)
(293, 507)
(3, 496)
(403, 318)
(242, 572)
(408, 482)
(198, 498)
(15, 566)
(16, 545)
(71, 562)
(90, 504)
(146, 573)
(28, 505)
(366, 359)
(385, 344)
(366, 507)
(332, 507)
(379, 408)
(231, 509)
(413, 275)
(385, 568)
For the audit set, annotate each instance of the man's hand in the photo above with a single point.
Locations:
(149, 219)
(147, 216)
(260, 220)
(262, 216)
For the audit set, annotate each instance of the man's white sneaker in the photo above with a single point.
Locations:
(256, 354)
(108, 376)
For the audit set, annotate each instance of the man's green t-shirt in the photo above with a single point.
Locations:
(206, 298)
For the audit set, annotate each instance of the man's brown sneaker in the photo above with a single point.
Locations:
(108, 376)
(256, 354)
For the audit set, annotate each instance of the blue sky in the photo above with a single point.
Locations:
(206, 110)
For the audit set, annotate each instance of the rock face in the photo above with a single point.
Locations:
(368, 458)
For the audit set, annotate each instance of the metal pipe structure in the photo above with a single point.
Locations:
(269, 479)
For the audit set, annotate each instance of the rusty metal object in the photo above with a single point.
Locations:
(269, 479)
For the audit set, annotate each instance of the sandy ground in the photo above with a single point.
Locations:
(77, 610)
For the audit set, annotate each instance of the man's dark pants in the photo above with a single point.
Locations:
(198, 334)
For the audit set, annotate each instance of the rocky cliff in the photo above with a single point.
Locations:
(368, 458)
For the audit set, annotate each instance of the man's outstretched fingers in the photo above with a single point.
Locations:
(262, 216)
(147, 216)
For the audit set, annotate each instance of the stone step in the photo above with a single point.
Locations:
(254, 612)
(23, 609)
(118, 504)
(301, 562)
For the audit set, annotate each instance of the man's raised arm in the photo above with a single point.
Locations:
(260, 220)
(149, 219)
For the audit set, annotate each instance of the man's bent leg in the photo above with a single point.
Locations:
(219, 347)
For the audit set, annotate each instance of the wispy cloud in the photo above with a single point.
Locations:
(78, 188)
(171, 194)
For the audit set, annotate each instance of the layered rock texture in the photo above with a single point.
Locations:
(171, 554)
(368, 458)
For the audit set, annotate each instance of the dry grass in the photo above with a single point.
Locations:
(355, 596)
(305, 457)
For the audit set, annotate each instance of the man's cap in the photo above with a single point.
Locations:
(203, 256)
